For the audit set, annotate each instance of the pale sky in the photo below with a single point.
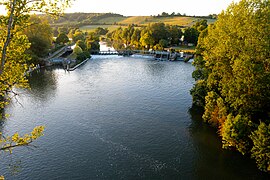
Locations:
(149, 7)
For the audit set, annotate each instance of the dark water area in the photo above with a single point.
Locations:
(118, 118)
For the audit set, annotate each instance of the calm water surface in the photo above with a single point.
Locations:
(118, 118)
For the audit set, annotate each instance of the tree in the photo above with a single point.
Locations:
(175, 34)
(135, 38)
(63, 30)
(92, 45)
(77, 50)
(101, 31)
(83, 56)
(81, 44)
(18, 16)
(163, 43)
(164, 14)
(13, 59)
(232, 72)
(191, 35)
(62, 38)
(201, 25)
(39, 34)
(159, 31)
(147, 40)
(78, 35)
(260, 151)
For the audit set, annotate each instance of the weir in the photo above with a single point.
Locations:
(160, 55)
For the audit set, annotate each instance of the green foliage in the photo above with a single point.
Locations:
(215, 110)
(191, 35)
(10, 142)
(77, 50)
(78, 35)
(14, 68)
(232, 61)
(201, 25)
(147, 40)
(92, 37)
(101, 31)
(157, 36)
(260, 151)
(236, 132)
(82, 56)
(159, 31)
(64, 30)
(93, 46)
(175, 34)
(62, 38)
(135, 38)
(163, 43)
(199, 92)
(81, 44)
(39, 34)
(13, 57)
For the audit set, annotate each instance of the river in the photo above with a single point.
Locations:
(117, 118)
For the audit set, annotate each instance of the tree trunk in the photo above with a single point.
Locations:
(8, 37)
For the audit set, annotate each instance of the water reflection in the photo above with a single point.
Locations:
(155, 69)
(2, 125)
(43, 84)
(220, 162)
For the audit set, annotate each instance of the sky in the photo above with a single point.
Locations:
(149, 7)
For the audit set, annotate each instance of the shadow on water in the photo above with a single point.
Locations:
(221, 163)
(2, 124)
(155, 69)
(43, 84)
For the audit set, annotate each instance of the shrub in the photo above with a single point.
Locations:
(261, 149)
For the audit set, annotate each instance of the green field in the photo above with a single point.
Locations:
(111, 22)
(144, 20)
(91, 28)
(176, 20)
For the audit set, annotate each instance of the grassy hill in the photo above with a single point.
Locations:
(175, 20)
(90, 21)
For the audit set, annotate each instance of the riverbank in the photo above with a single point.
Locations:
(78, 65)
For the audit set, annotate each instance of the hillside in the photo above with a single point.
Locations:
(174, 20)
(90, 21)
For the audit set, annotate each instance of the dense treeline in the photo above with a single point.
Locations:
(173, 14)
(232, 78)
(155, 36)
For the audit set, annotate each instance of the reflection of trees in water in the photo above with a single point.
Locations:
(2, 124)
(15, 167)
(43, 84)
(211, 160)
(208, 153)
(155, 69)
